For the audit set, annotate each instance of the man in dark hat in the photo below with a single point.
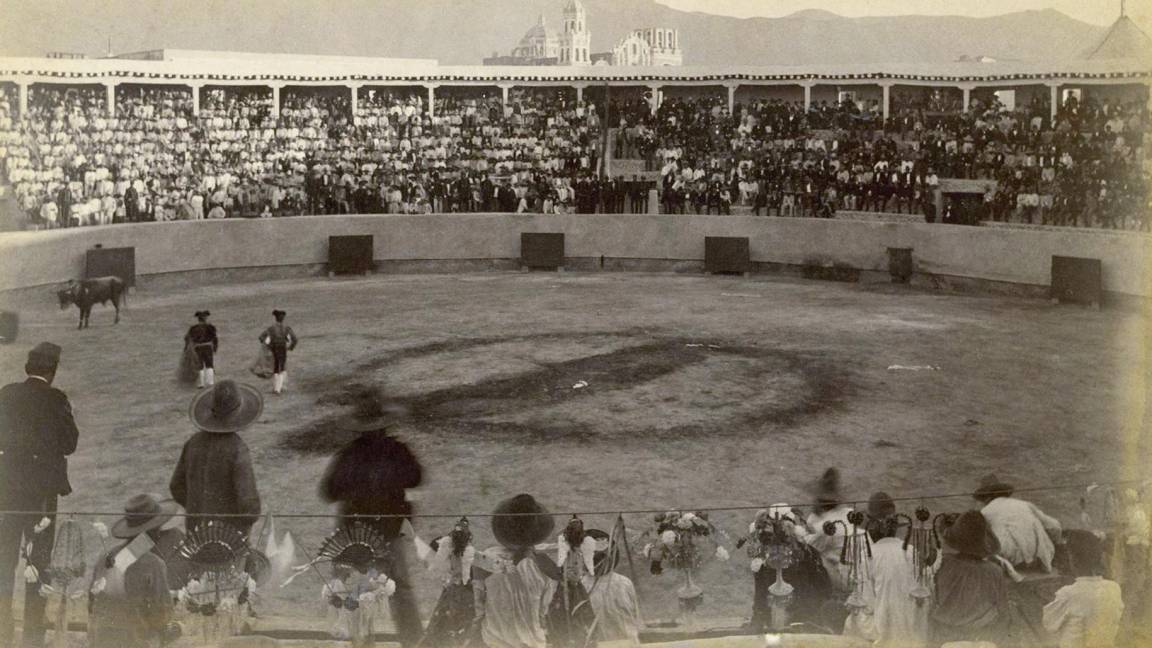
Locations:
(1024, 531)
(368, 477)
(516, 599)
(37, 433)
(201, 337)
(131, 599)
(971, 589)
(214, 475)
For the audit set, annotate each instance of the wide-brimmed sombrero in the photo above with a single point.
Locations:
(970, 535)
(992, 487)
(521, 522)
(370, 412)
(143, 513)
(227, 407)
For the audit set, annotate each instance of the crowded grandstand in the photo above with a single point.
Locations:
(79, 152)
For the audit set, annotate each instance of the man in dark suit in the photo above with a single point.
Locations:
(131, 204)
(37, 433)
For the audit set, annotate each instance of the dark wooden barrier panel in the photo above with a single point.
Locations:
(1078, 280)
(542, 250)
(111, 262)
(9, 327)
(727, 254)
(350, 254)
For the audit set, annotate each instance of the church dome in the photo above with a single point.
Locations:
(539, 31)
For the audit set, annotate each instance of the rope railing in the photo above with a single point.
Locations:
(615, 511)
(301, 571)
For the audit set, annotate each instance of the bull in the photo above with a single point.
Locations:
(86, 292)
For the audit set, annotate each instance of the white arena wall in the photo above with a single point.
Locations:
(197, 252)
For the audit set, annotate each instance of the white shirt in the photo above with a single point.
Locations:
(1085, 614)
(1022, 530)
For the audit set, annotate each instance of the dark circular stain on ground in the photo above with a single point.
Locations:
(460, 409)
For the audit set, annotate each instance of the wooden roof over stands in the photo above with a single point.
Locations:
(261, 71)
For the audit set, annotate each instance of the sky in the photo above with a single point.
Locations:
(1099, 12)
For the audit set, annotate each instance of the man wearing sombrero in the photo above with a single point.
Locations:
(132, 606)
(516, 597)
(1025, 532)
(214, 476)
(971, 602)
(368, 477)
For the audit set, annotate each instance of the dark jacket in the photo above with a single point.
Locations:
(202, 333)
(368, 477)
(214, 475)
(37, 433)
(139, 614)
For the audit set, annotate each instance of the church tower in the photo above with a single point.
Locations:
(576, 42)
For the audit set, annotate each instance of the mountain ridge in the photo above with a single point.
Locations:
(463, 33)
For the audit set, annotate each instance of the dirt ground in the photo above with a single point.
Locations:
(701, 392)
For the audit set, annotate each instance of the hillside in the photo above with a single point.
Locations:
(464, 32)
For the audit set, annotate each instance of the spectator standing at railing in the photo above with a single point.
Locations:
(37, 433)
(368, 477)
(214, 476)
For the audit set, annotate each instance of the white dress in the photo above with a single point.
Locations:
(897, 618)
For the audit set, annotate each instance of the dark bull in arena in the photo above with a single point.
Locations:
(86, 292)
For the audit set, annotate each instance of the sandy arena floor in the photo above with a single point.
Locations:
(701, 391)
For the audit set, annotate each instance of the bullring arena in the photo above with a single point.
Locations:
(627, 382)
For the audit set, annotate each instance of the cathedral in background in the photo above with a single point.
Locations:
(542, 45)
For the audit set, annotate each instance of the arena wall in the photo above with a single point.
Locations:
(192, 252)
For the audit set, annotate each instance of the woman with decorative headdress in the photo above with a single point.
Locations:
(612, 595)
(515, 598)
(895, 611)
(453, 619)
(571, 621)
(777, 536)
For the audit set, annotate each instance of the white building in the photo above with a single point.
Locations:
(632, 50)
(665, 44)
(542, 45)
(655, 46)
(576, 41)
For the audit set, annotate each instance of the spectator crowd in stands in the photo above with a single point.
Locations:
(1084, 168)
(71, 164)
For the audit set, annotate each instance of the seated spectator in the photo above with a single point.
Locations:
(971, 602)
(515, 597)
(131, 603)
(1085, 614)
